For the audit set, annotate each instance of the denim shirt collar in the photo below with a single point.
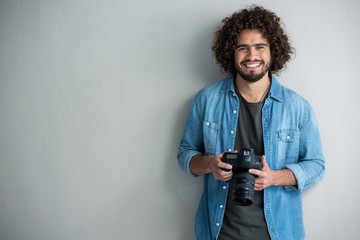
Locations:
(275, 90)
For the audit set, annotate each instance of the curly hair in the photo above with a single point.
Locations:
(253, 18)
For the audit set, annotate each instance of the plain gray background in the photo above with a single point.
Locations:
(93, 99)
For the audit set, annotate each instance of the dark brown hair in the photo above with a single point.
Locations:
(252, 18)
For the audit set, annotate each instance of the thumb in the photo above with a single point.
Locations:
(263, 162)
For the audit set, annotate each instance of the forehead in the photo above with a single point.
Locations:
(251, 37)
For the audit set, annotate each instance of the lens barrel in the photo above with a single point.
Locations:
(243, 189)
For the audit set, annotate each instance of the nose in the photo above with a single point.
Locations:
(252, 53)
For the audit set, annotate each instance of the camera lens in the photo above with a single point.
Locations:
(243, 189)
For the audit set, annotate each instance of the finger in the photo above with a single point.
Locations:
(259, 187)
(223, 172)
(256, 172)
(224, 166)
(226, 174)
(263, 162)
(223, 175)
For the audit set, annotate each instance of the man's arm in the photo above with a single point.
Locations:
(267, 177)
(200, 165)
(283, 177)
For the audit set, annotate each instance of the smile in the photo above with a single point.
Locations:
(251, 64)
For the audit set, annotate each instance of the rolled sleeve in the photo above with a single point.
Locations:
(191, 143)
(184, 158)
(299, 176)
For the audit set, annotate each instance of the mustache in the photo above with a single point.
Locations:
(252, 61)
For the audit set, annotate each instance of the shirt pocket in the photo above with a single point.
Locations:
(288, 145)
(211, 134)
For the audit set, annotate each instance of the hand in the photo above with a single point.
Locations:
(265, 176)
(217, 167)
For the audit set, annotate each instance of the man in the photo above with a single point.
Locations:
(251, 109)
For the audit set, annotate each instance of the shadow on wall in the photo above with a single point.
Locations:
(184, 190)
(202, 63)
(187, 190)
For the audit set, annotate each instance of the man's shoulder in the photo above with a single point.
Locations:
(217, 87)
(284, 93)
(295, 97)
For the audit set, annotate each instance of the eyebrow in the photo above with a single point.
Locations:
(254, 45)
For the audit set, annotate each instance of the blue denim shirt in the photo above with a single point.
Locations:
(291, 140)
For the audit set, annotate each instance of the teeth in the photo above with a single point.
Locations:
(252, 65)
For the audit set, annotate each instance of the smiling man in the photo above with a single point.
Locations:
(252, 55)
(258, 122)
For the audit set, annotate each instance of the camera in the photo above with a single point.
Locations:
(243, 181)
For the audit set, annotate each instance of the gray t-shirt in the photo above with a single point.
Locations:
(246, 222)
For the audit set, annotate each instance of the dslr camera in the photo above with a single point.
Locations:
(242, 180)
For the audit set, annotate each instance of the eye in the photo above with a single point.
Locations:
(243, 48)
(260, 47)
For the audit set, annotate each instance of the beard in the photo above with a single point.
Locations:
(252, 77)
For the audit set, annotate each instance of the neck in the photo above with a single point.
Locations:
(253, 92)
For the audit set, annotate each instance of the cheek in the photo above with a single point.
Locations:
(268, 56)
(238, 58)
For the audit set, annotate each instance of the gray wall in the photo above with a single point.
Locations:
(93, 98)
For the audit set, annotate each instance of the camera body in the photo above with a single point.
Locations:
(243, 181)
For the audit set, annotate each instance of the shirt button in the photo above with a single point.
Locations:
(224, 187)
(232, 132)
(288, 137)
(221, 206)
(217, 224)
(207, 123)
(229, 149)
(234, 111)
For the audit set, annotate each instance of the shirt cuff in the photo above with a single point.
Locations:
(299, 175)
